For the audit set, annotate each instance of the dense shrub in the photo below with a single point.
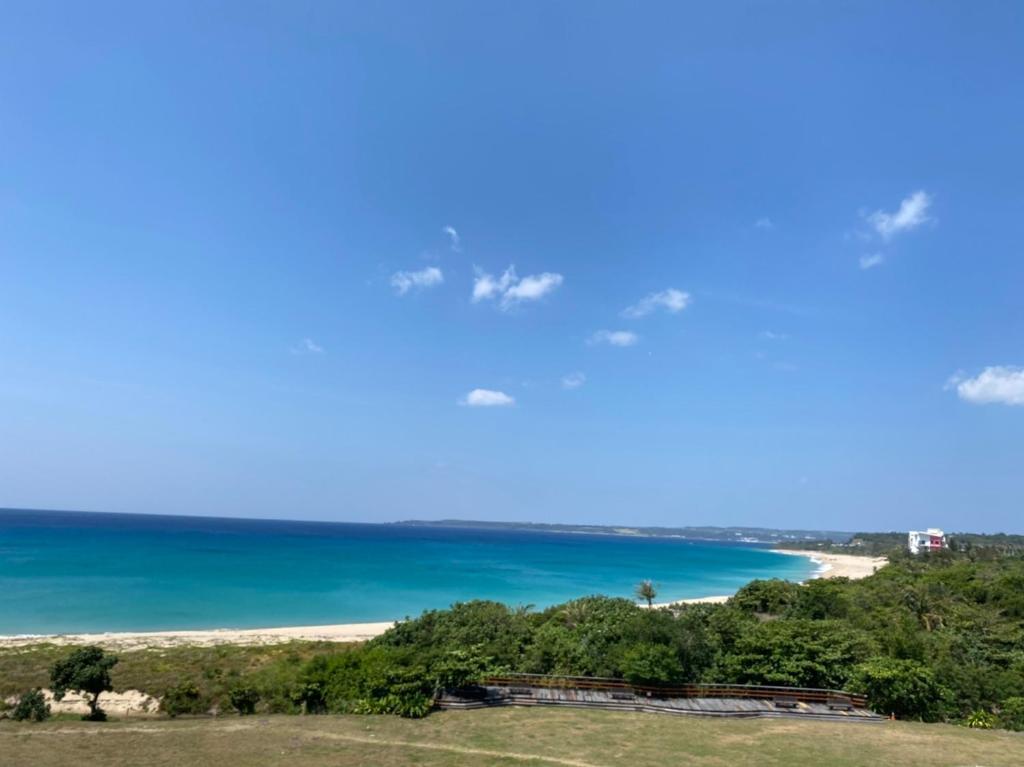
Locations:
(379, 679)
(651, 664)
(905, 688)
(183, 698)
(1011, 714)
(798, 652)
(772, 597)
(244, 699)
(31, 707)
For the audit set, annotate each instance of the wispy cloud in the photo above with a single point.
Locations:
(574, 380)
(994, 385)
(913, 212)
(871, 260)
(487, 398)
(671, 300)
(531, 288)
(770, 335)
(510, 290)
(614, 337)
(403, 282)
(764, 223)
(308, 346)
(454, 237)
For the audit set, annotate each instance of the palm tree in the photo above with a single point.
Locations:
(575, 612)
(645, 590)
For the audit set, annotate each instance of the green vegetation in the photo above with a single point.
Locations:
(31, 707)
(645, 590)
(977, 545)
(505, 737)
(936, 637)
(244, 699)
(183, 698)
(86, 671)
(274, 670)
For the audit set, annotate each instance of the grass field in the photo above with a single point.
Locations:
(520, 736)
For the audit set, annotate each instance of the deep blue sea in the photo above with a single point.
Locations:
(71, 572)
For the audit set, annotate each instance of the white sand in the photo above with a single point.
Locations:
(840, 565)
(135, 640)
(831, 566)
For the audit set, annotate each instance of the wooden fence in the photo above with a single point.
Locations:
(760, 692)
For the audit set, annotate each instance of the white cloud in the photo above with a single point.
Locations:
(614, 337)
(308, 346)
(764, 223)
(769, 335)
(871, 260)
(672, 300)
(997, 384)
(487, 398)
(531, 288)
(511, 289)
(403, 282)
(454, 236)
(486, 286)
(913, 212)
(574, 380)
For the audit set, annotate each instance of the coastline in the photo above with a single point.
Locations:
(839, 565)
(141, 640)
(829, 566)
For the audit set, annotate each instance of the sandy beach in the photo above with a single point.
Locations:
(137, 640)
(831, 566)
(840, 565)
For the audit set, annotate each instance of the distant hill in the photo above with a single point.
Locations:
(731, 534)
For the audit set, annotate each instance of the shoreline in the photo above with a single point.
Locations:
(829, 566)
(849, 566)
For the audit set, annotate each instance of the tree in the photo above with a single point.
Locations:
(86, 671)
(645, 590)
(31, 706)
(905, 688)
(801, 653)
(770, 597)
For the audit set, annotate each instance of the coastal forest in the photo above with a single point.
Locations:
(937, 637)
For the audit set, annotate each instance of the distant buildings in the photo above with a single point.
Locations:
(931, 539)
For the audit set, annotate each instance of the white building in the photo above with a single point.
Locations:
(931, 539)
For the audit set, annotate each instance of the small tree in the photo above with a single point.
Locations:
(244, 699)
(645, 590)
(86, 671)
(32, 706)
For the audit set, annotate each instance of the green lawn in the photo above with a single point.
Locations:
(511, 736)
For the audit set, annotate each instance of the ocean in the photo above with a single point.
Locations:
(83, 572)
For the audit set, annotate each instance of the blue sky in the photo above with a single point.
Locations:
(724, 263)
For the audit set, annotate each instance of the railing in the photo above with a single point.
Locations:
(761, 692)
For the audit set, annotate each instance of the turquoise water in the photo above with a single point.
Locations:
(64, 572)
